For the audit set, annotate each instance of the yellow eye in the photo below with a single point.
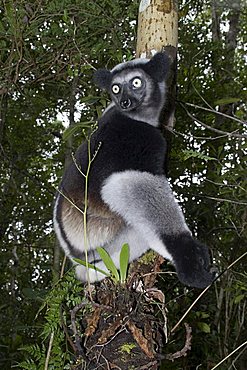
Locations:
(137, 82)
(115, 89)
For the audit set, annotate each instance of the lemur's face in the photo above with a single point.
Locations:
(137, 87)
(130, 89)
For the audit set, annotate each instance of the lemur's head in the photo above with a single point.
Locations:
(137, 88)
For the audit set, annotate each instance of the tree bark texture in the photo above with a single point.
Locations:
(157, 26)
(158, 30)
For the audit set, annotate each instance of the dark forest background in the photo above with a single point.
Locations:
(48, 52)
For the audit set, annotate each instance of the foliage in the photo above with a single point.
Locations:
(109, 264)
(66, 293)
(49, 50)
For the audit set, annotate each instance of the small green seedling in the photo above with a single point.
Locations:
(112, 270)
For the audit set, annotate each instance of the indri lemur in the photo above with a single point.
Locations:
(129, 197)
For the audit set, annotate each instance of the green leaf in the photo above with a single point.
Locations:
(204, 315)
(124, 261)
(203, 326)
(239, 298)
(90, 99)
(192, 154)
(65, 16)
(108, 263)
(228, 100)
(89, 265)
(70, 131)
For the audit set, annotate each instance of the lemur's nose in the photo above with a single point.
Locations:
(125, 104)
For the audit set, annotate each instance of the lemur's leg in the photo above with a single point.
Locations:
(146, 203)
(137, 246)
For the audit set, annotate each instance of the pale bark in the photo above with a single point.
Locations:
(157, 26)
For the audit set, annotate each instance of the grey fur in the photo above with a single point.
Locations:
(141, 198)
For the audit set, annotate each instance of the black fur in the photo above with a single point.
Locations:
(191, 259)
(102, 78)
(158, 66)
(126, 145)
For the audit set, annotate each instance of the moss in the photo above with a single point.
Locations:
(148, 257)
(127, 348)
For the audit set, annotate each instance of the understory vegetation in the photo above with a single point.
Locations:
(48, 53)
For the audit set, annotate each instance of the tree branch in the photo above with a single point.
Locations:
(230, 134)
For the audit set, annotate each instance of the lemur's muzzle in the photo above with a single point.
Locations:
(125, 104)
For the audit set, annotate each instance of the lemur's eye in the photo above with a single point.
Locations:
(115, 89)
(137, 82)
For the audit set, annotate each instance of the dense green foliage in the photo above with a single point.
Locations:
(49, 50)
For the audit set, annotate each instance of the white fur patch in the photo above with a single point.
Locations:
(124, 65)
(138, 245)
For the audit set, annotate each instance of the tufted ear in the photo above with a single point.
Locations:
(102, 78)
(158, 66)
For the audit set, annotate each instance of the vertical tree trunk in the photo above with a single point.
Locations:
(157, 26)
(158, 30)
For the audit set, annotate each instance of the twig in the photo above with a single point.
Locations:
(229, 134)
(236, 358)
(230, 354)
(49, 351)
(227, 185)
(216, 112)
(195, 137)
(70, 201)
(201, 96)
(73, 325)
(204, 291)
(66, 331)
(63, 267)
(222, 200)
(185, 349)
(150, 365)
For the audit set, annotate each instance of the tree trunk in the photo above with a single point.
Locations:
(158, 30)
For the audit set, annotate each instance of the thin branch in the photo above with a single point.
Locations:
(204, 291)
(230, 354)
(236, 358)
(222, 200)
(185, 349)
(77, 166)
(70, 201)
(73, 326)
(216, 112)
(49, 351)
(230, 134)
(200, 95)
(226, 185)
(204, 138)
(63, 267)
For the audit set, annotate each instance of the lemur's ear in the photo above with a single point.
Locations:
(102, 78)
(158, 66)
